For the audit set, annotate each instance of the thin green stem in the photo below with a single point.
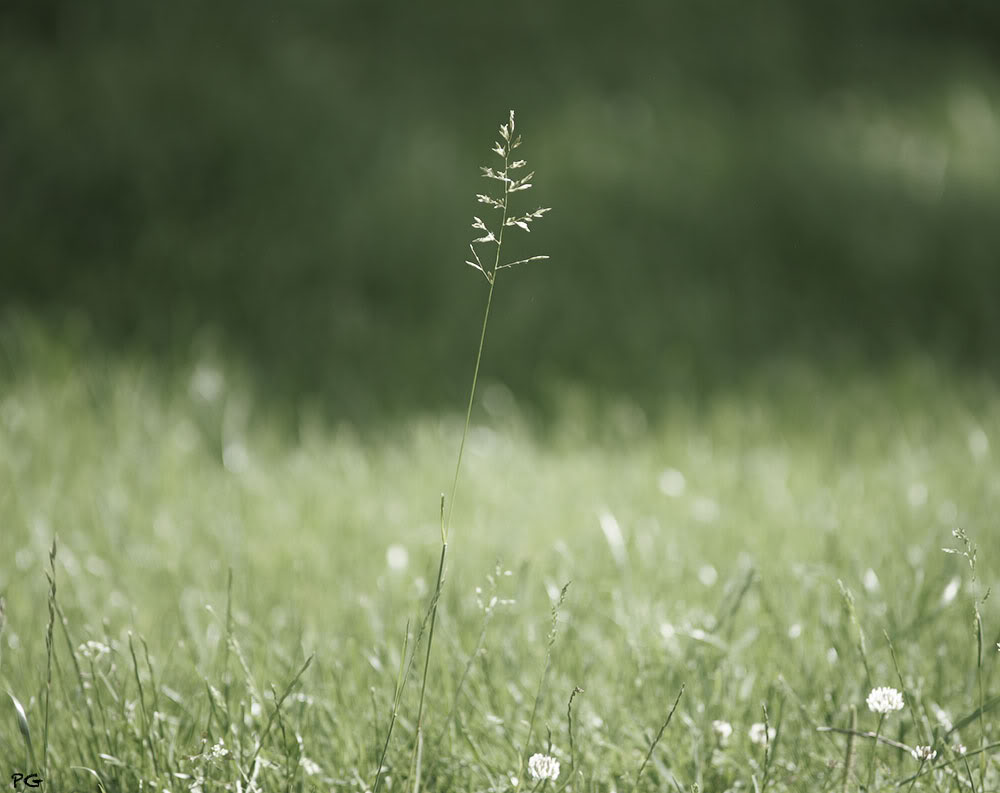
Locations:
(659, 735)
(849, 759)
(968, 770)
(48, 657)
(871, 761)
(427, 664)
(479, 355)
(400, 680)
(982, 697)
(922, 762)
(468, 413)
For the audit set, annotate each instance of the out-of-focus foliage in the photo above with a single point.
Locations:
(733, 184)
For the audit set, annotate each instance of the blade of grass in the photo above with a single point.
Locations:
(24, 729)
(656, 740)
(51, 576)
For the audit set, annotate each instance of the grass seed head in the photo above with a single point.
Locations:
(761, 735)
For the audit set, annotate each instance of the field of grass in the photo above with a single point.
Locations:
(703, 548)
(719, 442)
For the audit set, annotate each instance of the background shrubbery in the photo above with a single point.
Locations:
(735, 185)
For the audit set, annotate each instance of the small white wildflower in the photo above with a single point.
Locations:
(513, 781)
(950, 590)
(960, 748)
(708, 575)
(672, 483)
(723, 729)
(92, 650)
(884, 700)
(923, 753)
(311, 768)
(543, 766)
(795, 630)
(397, 557)
(218, 751)
(760, 734)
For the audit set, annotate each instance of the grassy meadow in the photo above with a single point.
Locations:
(705, 549)
(718, 444)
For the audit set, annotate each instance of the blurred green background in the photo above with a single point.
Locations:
(735, 187)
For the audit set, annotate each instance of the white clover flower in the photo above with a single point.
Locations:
(543, 766)
(884, 700)
(723, 729)
(760, 734)
(959, 748)
(923, 753)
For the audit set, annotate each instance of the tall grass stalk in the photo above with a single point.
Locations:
(510, 185)
(278, 702)
(146, 719)
(569, 728)
(659, 735)
(849, 755)
(51, 575)
(541, 682)
(871, 759)
(395, 708)
(768, 750)
(3, 622)
(970, 551)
